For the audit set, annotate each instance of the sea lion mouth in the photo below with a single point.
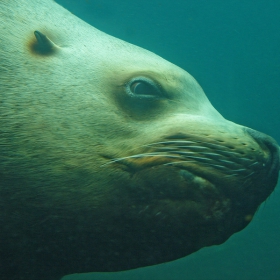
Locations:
(215, 158)
(200, 168)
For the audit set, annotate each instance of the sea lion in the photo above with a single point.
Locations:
(112, 158)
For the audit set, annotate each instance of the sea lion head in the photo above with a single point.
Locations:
(113, 158)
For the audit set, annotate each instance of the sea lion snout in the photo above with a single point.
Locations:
(271, 147)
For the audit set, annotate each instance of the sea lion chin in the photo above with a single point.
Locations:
(112, 158)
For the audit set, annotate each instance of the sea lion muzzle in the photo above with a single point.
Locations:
(273, 163)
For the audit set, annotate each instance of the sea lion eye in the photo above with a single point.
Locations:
(143, 87)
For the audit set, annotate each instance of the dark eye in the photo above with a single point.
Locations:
(143, 87)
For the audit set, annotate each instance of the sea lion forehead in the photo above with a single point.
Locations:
(135, 63)
(132, 61)
(101, 49)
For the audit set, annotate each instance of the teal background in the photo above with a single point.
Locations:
(232, 48)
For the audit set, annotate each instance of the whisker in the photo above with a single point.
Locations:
(240, 170)
(170, 148)
(178, 162)
(227, 161)
(231, 175)
(212, 154)
(139, 156)
(253, 164)
(188, 154)
(249, 175)
(183, 142)
(199, 152)
(194, 161)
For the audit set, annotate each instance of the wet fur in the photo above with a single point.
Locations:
(90, 179)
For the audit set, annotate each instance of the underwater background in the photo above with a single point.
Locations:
(233, 49)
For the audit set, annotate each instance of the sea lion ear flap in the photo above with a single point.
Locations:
(43, 45)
